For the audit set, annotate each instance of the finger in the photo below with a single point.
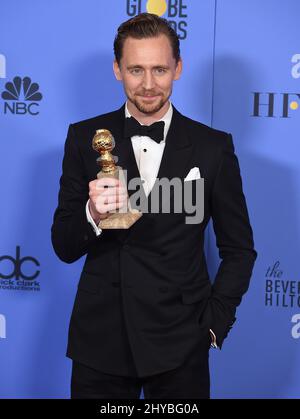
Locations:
(109, 207)
(102, 200)
(113, 191)
(107, 182)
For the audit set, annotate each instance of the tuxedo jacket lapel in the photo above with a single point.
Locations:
(123, 147)
(177, 152)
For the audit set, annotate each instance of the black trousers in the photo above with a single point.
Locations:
(190, 380)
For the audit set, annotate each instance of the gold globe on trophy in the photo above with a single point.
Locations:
(104, 143)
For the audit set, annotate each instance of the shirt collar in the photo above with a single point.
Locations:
(166, 118)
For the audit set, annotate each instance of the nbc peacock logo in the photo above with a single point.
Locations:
(175, 11)
(21, 97)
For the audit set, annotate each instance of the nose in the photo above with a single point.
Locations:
(148, 80)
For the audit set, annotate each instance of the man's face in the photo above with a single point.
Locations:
(147, 70)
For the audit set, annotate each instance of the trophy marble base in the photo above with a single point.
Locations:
(120, 220)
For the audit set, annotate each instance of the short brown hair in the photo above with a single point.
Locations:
(145, 25)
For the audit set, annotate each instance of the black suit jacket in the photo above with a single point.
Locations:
(147, 288)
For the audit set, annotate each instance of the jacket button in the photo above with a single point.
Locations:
(86, 237)
(126, 247)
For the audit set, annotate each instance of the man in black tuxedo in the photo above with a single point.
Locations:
(146, 312)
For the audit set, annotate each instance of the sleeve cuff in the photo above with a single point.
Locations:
(97, 230)
(214, 339)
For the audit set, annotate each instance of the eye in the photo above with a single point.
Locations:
(136, 71)
(160, 70)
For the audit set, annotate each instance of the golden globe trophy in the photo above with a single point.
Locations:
(104, 143)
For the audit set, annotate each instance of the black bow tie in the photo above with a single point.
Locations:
(154, 131)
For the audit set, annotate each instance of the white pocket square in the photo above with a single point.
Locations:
(193, 174)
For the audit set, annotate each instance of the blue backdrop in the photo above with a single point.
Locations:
(242, 75)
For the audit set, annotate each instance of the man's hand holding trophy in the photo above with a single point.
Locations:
(109, 203)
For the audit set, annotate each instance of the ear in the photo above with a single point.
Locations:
(117, 70)
(178, 70)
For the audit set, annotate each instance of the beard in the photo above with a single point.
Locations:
(148, 108)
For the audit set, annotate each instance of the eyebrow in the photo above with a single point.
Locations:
(130, 67)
